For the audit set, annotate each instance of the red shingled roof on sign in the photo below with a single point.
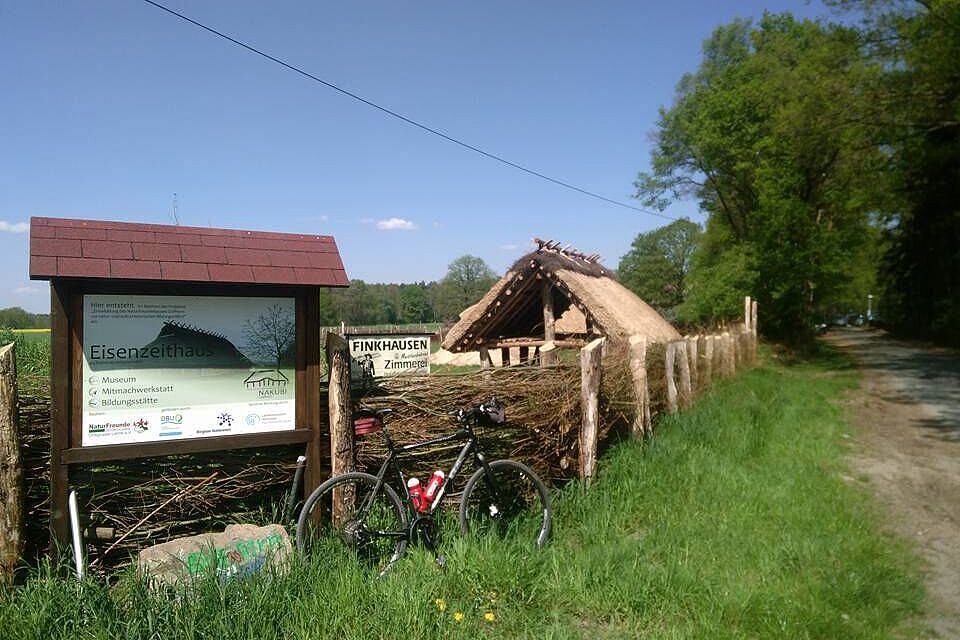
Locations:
(63, 248)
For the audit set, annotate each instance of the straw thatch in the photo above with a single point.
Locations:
(513, 307)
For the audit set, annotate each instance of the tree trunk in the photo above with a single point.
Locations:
(11, 468)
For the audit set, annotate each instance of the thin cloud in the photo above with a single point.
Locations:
(509, 247)
(27, 290)
(15, 227)
(395, 224)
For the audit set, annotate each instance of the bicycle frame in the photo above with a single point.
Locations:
(471, 445)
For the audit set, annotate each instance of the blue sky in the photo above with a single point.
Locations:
(109, 107)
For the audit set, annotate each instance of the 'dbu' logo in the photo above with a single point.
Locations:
(252, 419)
(171, 419)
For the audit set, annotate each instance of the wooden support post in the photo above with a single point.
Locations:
(341, 418)
(486, 361)
(504, 356)
(311, 412)
(753, 327)
(590, 372)
(692, 352)
(11, 468)
(686, 393)
(524, 355)
(746, 314)
(708, 347)
(60, 304)
(669, 358)
(641, 392)
(547, 356)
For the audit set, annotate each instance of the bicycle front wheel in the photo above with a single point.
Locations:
(347, 511)
(510, 500)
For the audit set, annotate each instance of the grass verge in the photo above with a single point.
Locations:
(732, 522)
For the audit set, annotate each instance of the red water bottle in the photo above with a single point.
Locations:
(436, 481)
(416, 495)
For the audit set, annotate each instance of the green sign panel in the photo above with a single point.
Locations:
(171, 367)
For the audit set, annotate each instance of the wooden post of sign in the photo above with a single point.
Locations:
(486, 361)
(60, 294)
(547, 356)
(686, 394)
(590, 372)
(341, 418)
(11, 468)
(311, 409)
(708, 346)
(638, 371)
(692, 351)
(669, 358)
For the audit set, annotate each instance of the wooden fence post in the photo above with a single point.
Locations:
(485, 361)
(590, 372)
(11, 468)
(686, 394)
(692, 352)
(753, 326)
(341, 418)
(708, 345)
(746, 314)
(670, 355)
(638, 371)
(547, 356)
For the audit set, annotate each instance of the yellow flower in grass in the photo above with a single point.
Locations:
(458, 616)
(489, 617)
(441, 604)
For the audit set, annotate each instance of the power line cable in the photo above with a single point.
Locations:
(402, 117)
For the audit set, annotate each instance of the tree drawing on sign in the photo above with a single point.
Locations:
(271, 338)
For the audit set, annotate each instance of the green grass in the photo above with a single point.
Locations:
(732, 522)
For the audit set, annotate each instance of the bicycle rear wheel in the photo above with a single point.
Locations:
(345, 511)
(509, 501)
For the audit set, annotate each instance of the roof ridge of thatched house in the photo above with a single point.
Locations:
(547, 283)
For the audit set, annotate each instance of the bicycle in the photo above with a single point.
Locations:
(365, 512)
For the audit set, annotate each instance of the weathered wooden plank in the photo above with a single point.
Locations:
(641, 392)
(747, 307)
(590, 373)
(341, 418)
(11, 468)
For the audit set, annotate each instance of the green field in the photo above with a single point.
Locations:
(733, 521)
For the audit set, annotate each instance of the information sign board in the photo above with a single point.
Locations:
(173, 367)
(379, 356)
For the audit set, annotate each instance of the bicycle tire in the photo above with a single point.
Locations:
(523, 504)
(317, 531)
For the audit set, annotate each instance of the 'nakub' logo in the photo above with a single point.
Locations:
(266, 379)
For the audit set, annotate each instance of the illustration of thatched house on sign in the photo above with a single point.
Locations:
(554, 298)
(266, 379)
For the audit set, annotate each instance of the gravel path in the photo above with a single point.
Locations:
(908, 414)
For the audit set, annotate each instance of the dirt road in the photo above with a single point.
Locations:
(908, 414)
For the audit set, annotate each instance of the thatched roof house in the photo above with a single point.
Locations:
(548, 283)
